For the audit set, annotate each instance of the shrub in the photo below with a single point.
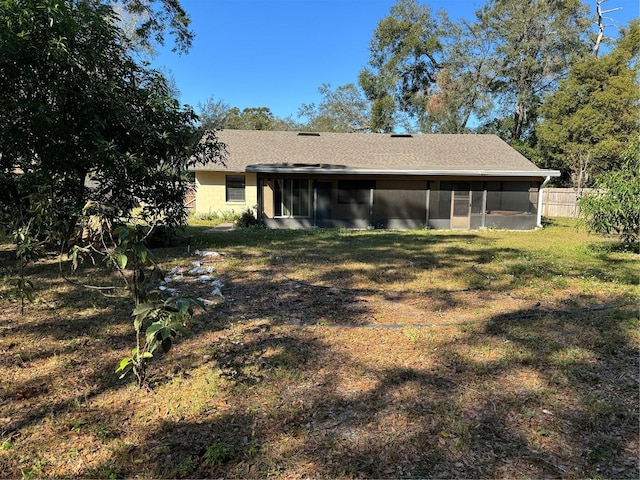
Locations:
(248, 220)
(613, 206)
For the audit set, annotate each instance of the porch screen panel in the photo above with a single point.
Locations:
(534, 191)
(515, 197)
(511, 197)
(440, 201)
(354, 191)
(477, 204)
(494, 196)
(400, 199)
(477, 195)
(300, 197)
(280, 198)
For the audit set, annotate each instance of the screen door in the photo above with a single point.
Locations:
(461, 206)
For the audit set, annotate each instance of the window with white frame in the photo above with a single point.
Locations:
(292, 197)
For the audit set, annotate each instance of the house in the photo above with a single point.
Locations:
(358, 180)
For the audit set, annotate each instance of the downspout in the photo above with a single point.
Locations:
(540, 201)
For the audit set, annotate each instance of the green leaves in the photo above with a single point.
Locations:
(26, 289)
(121, 260)
(592, 117)
(124, 366)
(76, 107)
(613, 206)
(130, 248)
(159, 323)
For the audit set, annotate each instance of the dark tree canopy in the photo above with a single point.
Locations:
(440, 74)
(215, 114)
(81, 120)
(594, 115)
(405, 60)
(534, 44)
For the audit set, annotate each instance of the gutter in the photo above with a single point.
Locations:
(332, 170)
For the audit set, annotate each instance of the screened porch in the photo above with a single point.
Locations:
(398, 203)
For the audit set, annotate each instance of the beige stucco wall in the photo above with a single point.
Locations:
(211, 194)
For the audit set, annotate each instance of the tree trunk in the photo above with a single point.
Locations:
(601, 25)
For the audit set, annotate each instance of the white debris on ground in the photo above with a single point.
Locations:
(196, 280)
(206, 253)
(198, 269)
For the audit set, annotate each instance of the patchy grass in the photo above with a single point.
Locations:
(339, 354)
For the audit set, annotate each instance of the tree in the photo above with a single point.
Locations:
(342, 110)
(405, 59)
(461, 90)
(215, 114)
(81, 120)
(600, 19)
(149, 20)
(535, 42)
(613, 206)
(593, 116)
(92, 147)
(441, 74)
(260, 118)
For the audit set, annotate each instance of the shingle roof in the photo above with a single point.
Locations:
(288, 152)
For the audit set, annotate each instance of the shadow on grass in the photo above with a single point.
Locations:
(394, 256)
(530, 393)
(553, 395)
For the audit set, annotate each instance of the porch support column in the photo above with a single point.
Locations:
(426, 204)
(484, 206)
(371, 207)
(315, 203)
(540, 202)
(259, 197)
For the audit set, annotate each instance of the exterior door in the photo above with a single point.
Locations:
(461, 206)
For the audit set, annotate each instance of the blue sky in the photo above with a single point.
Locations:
(276, 53)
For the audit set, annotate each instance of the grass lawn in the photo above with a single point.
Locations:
(338, 354)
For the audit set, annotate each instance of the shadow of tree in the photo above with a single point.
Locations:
(540, 391)
(547, 398)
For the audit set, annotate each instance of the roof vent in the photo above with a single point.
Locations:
(308, 134)
(401, 135)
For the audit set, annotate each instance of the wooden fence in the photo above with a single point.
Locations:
(561, 202)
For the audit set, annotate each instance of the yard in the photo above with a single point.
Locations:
(338, 354)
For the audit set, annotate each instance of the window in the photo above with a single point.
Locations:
(235, 188)
(354, 191)
(292, 198)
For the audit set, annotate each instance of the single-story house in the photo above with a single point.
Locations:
(358, 180)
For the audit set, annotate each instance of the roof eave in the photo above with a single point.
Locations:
(377, 171)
